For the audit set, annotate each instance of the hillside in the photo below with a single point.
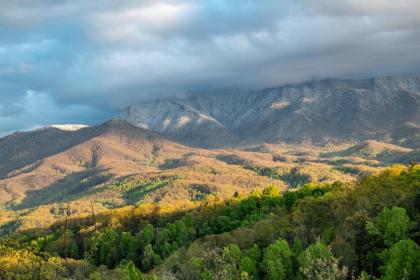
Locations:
(375, 150)
(116, 164)
(24, 148)
(318, 111)
(320, 231)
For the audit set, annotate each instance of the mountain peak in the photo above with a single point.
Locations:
(315, 111)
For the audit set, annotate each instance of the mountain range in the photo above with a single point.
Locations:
(176, 151)
(386, 108)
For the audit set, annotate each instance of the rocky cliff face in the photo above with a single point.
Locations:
(380, 108)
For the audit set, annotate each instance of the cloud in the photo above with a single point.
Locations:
(100, 56)
(36, 109)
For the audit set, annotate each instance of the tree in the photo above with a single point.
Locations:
(54, 268)
(297, 247)
(24, 265)
(105, 247)
(254, 253)
(271, 191)
(150, 258)
(128, 271)
(318, 263)
(182, 233)
(146, 236)
(278, 261)
(391, 224)
(193, 269)
(249, 266)
(231, 257)
(289, 199)
(402, 261)
(127, 246)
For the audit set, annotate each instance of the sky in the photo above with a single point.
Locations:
(78, 61)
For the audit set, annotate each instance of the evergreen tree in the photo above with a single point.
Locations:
(127, 246)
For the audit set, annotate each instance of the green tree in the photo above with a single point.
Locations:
(193, 269)
(182, 233)
(146, 236)
(290, 198)
(105, 247)
(231, 257)
(249, 266)
(278, 261)
(232, 253)
(127, 246)
(128, 271)
(318, 263)
(150, 258)
(391, 224)
(402, 261)
(54, 268)
(254, 253)
(297, 247)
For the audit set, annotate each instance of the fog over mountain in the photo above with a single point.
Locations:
(84, 61)
(385, 108)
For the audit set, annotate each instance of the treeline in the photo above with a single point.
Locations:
(148, 247)
(321, 231)
(366, 231)
(395, 256)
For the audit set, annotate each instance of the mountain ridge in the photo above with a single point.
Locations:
(25, 148)
(101, 166)
(315, 111)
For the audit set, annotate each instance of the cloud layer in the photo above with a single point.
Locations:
(78, 61)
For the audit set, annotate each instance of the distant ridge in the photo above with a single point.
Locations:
(386, 108)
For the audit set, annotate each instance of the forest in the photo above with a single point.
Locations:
(364, 230)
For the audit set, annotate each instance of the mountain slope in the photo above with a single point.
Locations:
(384, 152)
(44, 157)
(117, 164)
(110, 165)
(178, 120)
(318, 111)
(23, 148)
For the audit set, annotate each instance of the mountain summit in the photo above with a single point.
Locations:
(386, 108)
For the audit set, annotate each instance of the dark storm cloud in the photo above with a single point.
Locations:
(78, 61)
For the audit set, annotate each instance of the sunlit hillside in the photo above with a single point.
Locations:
(327, 230)
(118, 164)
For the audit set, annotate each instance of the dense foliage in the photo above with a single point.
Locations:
(320, 231)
